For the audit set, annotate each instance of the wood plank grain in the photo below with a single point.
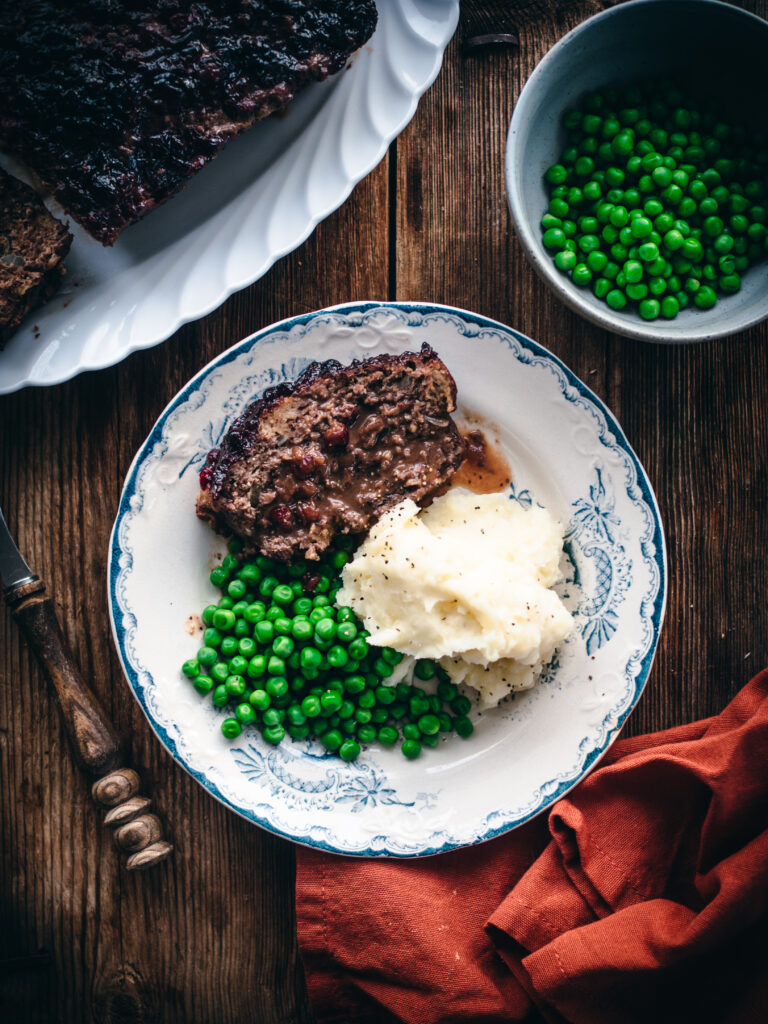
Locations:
(210, 935)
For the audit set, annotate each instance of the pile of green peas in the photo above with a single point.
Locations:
(655, 203)
(278, 651)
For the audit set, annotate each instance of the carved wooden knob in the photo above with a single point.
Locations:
(136, 832)
(140, 832)
(116, 787)
(149, 856)
(127, 811)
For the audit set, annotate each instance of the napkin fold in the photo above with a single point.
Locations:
(641, 897)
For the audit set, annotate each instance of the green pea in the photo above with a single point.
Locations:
(615, 176)
(311, 706)
(354, 684)
(705, 297)
(337, 657)
(387, 736)
(277, 686)
(556, 174)
(410, 748)
(236, 686)
(349, 750)
(191, 668)
(301, 629)
(236, 589)
(219, 672)
(637, 291)
(616, 299)
(275, 666)
(346, 710)
(332, 740)
(582, 275)
(358, 649)
(463, 726)
(219, 576)
(203, 684)
(633, 271)
(223, 619)
(593, 190)
(325, 629)
(649, 309)
(283, 646)
(220, 697)
(729, 284)
(424, 669)
(231, 728)
(331, 701)
(245, 714)
(208, 613)
(429, 724)
(648, 252)
(692, 249)
(622, 144)
(601, 286)
(461, 706)
(274, 734)
(207, 656)
(670, 307)
(346, 632)
(310, 658)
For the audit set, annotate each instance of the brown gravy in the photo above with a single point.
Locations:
(486, 469)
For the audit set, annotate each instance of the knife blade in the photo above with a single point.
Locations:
(14, 571)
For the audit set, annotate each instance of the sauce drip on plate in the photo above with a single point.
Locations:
(486, 469)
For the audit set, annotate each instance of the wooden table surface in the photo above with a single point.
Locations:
(209, 937)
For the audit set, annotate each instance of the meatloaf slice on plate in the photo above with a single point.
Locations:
(32, 245)
(116, 104)
(331, 452)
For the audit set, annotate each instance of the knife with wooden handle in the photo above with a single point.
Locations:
(93, 739)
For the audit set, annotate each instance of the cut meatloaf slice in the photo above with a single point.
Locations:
(331, 452)
(32, 246)
(116, 104)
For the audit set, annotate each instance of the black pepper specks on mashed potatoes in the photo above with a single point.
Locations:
(466, 582)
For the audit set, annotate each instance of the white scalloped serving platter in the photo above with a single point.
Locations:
(258, 200)
(566, 452)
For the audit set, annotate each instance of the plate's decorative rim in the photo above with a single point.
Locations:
(436, 39)
(652, 544)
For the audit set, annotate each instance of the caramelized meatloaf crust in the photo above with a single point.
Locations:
(116, 103)
(32, 246)
(332, 452)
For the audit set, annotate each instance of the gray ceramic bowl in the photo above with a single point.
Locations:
(635, 40)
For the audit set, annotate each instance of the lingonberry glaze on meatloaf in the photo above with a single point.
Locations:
(331, 452)
(115, 104)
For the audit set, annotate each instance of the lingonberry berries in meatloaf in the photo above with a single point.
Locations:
(331, 452)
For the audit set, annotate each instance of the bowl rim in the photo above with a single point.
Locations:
(543, 266)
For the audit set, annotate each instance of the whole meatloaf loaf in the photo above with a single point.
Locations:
(115, 104)
(333, 451)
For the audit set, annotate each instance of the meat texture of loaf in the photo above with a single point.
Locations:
(32, 246)
(331, 452)
(116, 103)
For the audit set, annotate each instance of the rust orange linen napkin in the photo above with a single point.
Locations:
(641, 897)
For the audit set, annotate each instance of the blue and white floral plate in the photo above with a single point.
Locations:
(567, 453)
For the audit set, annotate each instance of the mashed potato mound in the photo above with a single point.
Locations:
(464, 582)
